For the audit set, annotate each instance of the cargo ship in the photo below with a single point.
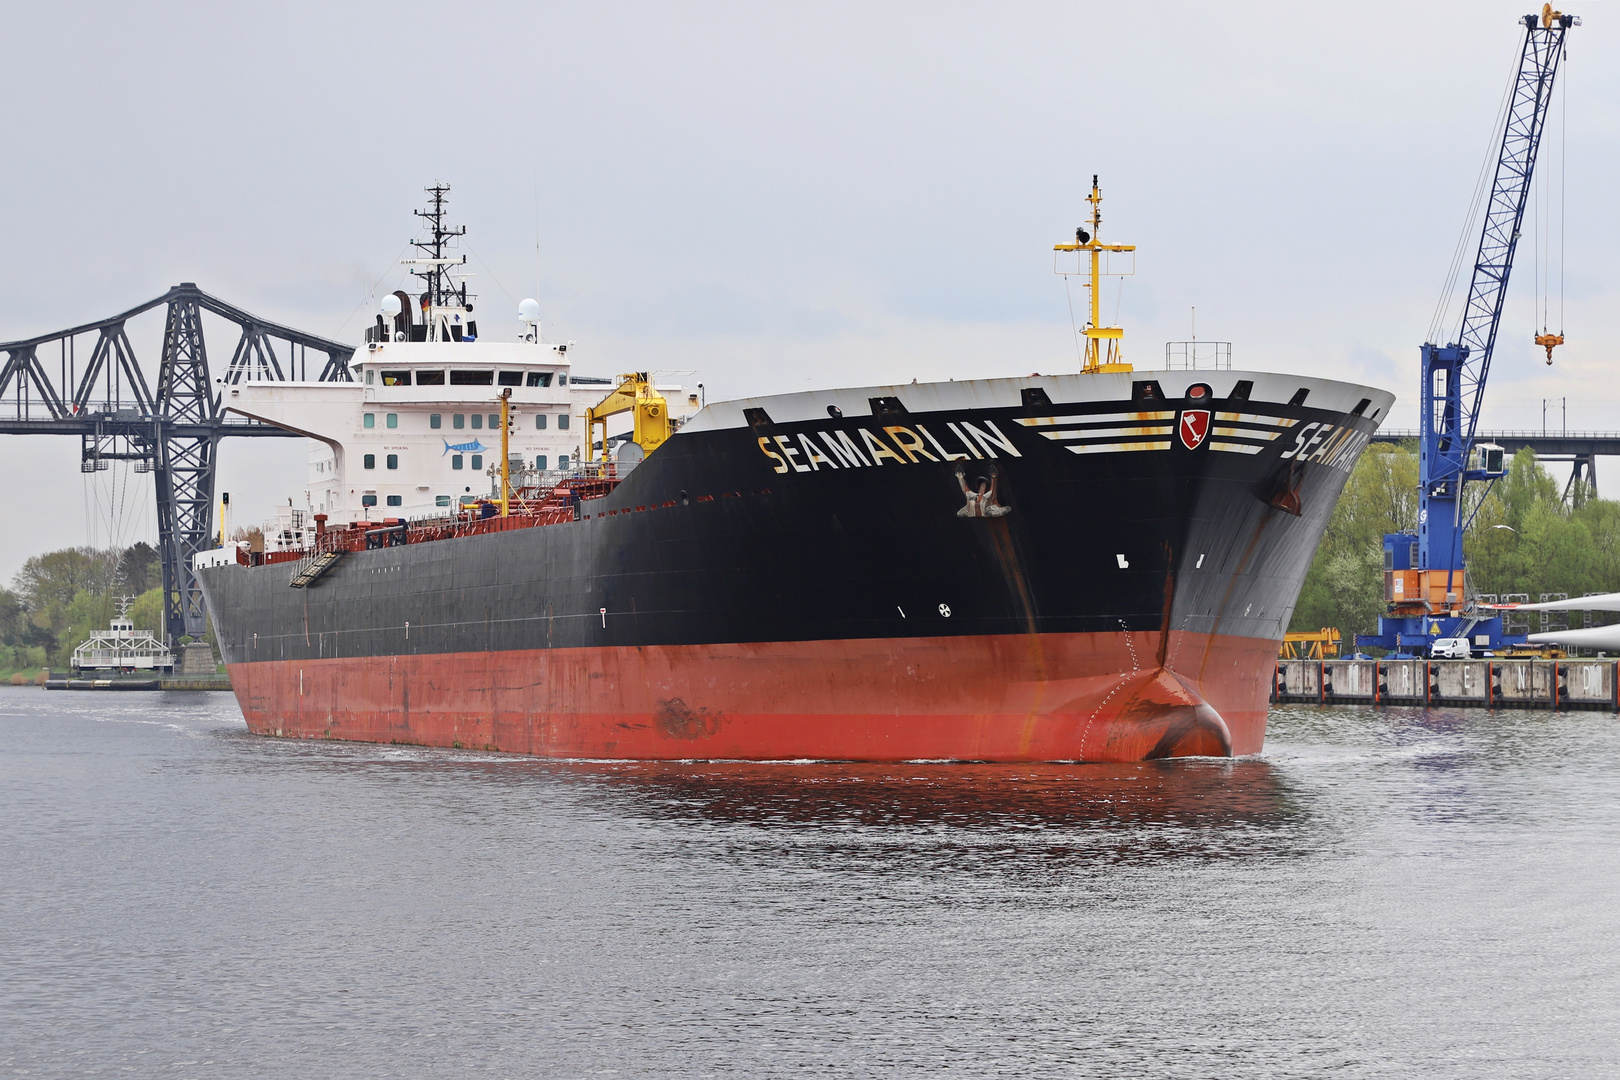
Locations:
(1095, 566)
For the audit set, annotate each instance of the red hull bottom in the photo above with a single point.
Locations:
(1044, 697)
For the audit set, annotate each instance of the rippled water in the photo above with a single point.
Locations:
(1384, 893)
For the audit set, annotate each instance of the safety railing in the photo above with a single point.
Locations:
(1198, 355)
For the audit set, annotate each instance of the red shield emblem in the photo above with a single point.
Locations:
(1194, 427)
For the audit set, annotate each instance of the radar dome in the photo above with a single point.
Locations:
(529, 311)
(390, 305)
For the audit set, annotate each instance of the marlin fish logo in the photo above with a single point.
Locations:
(474, 447)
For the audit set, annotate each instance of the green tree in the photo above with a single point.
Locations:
(139, 568)
(147, 612)
(1525, 538)
(49, 583)
(13, 618)
(1345, 585)
(85, 612)
(20, 633)
(1548, 544)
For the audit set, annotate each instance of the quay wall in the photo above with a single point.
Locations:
(1486, 684)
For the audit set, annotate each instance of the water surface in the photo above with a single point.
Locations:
(1382, 893)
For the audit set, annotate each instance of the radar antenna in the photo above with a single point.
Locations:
(440, 288)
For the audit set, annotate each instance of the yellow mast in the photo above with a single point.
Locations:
(1097, 360)
(506, 460)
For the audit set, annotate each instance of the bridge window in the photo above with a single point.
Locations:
(393, 419)
(369, 461)
(478, 421)
(441, 500)
(539, 378)
(455, 461)
(562, 461)
(540, 463)
(368, 420)
(430, 378)
(396, 378)
(458, 420)
(562, 378)
(368, 500)
(434, 421)
(393, 461)
(562, 421)
(396, 500)
(477, 462)
(371, 376)
(472, 378)
(511, 378)
(540, 422)
(494, 421)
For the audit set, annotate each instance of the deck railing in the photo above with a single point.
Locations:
(1198, 355)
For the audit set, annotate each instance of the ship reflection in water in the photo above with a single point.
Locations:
(862, 812)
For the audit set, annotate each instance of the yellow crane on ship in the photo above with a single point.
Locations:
(650, 423)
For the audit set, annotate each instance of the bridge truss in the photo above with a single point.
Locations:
(87, 381)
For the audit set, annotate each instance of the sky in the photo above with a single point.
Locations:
(769, 197)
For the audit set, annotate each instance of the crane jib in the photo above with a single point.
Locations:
(1454, 375)
(1436, 603)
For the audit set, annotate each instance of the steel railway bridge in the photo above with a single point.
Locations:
(1581, 448)
(87, 381)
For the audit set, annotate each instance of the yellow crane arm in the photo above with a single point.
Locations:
(650, 425)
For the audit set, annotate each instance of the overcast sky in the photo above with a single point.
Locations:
(783, 196)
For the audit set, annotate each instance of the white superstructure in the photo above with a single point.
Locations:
(417, 432)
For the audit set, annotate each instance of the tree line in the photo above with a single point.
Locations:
(1527, 537)
(57, 598)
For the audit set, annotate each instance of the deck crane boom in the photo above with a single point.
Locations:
(1424, 572)
(650, 423)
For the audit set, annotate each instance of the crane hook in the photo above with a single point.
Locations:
(1547, 341)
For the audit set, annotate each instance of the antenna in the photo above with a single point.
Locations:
(435, 275)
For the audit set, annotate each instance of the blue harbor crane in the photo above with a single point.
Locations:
(1424, 572)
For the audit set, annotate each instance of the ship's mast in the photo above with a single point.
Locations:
(1097, 358)
(434, 274)
(506, 451)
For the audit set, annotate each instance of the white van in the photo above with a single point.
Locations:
(1450, 648)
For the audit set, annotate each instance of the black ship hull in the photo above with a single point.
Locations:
(1079, 567)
